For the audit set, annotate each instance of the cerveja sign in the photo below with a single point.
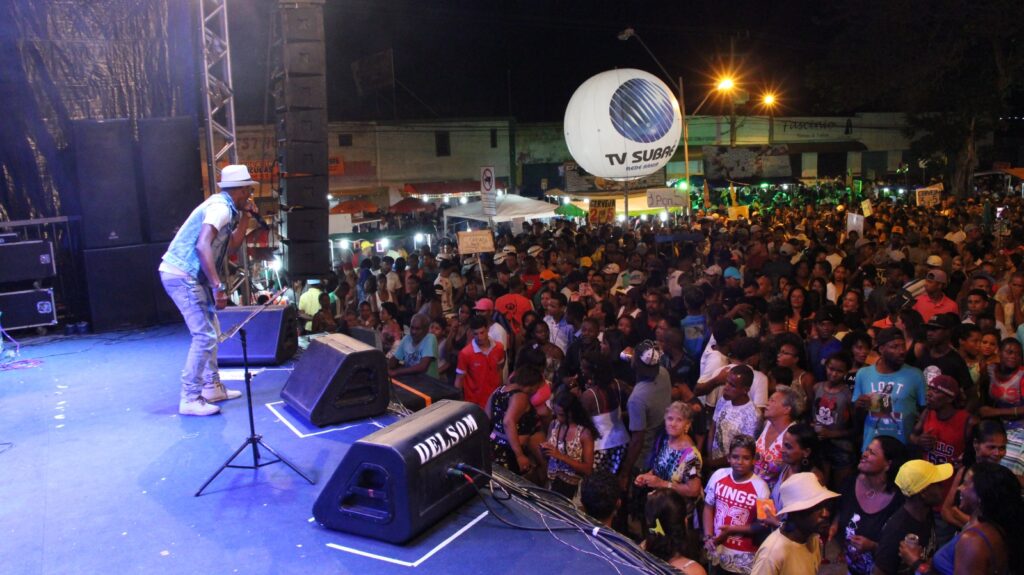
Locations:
(622, 124)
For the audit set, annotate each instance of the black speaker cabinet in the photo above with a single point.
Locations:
(393, 484)
(272, 337)
(304, 225)
(107, 192)
(303, 23)
(306, 259)
(302, 126)
(121, 282)
(305, 192)
(338, 379)
(419, 391)
(301, 92)
(28, 308)
(32, 260)
(171, 174)
(303, 158)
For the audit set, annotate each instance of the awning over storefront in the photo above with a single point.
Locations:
(509, 206)
(450, 188)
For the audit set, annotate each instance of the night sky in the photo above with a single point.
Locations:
(525, 59)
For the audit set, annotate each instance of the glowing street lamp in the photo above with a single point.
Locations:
(768, 100)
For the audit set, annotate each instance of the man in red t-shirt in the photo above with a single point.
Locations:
(942, 430)
(514, 304)
(933, 301)
(478, 372)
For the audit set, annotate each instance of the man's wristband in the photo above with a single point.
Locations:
(221, 287)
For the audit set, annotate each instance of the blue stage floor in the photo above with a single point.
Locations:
(102, 471)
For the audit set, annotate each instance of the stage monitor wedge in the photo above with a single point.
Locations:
(394, 484)
(338, 378)
(272, 337)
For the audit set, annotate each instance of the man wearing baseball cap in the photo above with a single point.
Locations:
(922, 484)
(934, 301)
(189, 272)
(796, 547)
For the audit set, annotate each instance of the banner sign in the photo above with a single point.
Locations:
(601, 212)
(929, 197)
(726, 163)
(480, 241)
(866, 209)
(855, 223)
(665, 198)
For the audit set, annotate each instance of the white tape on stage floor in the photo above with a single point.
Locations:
(288, 423)
(419, 561)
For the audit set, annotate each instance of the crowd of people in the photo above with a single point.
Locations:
(740, 395)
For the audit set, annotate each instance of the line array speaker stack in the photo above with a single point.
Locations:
(132, 195)
(299, 86)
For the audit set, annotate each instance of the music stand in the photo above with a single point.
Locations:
(255, 440)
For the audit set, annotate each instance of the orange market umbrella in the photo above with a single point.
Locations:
(410, 206)
(354, 206)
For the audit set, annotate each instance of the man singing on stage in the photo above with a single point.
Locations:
(189, 272)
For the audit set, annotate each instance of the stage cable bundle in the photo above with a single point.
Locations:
(613, 547)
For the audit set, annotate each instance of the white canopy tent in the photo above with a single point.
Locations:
(510, 206)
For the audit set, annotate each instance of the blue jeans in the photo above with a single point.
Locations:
(195, 301)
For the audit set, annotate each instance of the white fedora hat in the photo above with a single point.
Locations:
(802, 491)
(235, 176)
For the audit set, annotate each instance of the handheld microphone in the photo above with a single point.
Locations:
(256, 216)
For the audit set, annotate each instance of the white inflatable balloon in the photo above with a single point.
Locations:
(622, 124)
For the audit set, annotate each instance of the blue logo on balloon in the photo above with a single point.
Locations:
(641, 111)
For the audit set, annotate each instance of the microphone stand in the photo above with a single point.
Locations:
(255, 440)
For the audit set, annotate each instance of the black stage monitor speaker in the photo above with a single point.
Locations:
(338, 379)
(172, 179)
(272, 336)
(121, 282)
(419, 391)
(107, 193)
(22, 261)
(393, 484)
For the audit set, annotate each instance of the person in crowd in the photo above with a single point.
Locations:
(324, 320)
(801, 453)
(934, 300)
(570, 445)
(796, 548)
(989, 347)
(646, 408)
(791, 355)
(515, 428)
(417, 352)
(561, 331)
(665, 514)
(439, 329)
(890, 392)
(990, 498)
(730, 509)
(603, 397)
(539, 332)
(867, 502)
(1004, 399)
(833, 419)
(735, 415)
(923, 486)
(941, 433)
(778, 417)
(825, 343)
(675, 462)
(600, 496)
(479, 366)
(390, 329)
(987, 445)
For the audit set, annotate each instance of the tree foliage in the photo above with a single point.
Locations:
(951, 65)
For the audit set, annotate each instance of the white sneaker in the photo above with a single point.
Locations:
(197, 407)
(214, 392)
